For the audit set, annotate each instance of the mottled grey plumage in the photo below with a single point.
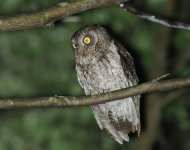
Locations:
(104, 65)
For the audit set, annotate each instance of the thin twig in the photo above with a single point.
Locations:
(65, 101)
(160, 78)
(157, 19)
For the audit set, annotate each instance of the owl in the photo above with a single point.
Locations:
(104, 65)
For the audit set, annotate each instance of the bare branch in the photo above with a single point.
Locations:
(48, 16)
(63, 101)
(157, 19)
(160, 78)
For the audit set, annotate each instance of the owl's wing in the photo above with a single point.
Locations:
(127, 64)
(129, 70)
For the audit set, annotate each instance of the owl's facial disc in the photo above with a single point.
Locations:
(84, 41)
(89, 40)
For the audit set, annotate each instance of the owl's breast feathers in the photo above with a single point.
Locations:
(111, 70)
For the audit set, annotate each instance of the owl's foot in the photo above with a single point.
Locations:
(108, 93)
(96, 93)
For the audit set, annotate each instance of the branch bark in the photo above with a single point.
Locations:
(48, 16)
(157, 19)
(64, 101)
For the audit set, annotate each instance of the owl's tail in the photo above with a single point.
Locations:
(103, 122)
(117, 129)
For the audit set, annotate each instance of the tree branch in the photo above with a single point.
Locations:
(157, 19)
(64, 101)
(48, 16)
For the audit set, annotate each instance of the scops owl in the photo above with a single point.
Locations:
(104, 65)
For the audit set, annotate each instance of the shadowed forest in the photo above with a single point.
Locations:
(40, 62)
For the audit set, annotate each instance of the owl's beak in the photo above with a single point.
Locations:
(74, 45)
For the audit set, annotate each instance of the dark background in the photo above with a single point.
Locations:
(40, 62)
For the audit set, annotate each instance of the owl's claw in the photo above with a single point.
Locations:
(96, 93)
(108, 91)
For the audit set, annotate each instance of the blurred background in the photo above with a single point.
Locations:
(40, 62)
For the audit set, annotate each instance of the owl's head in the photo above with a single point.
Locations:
(90, 39)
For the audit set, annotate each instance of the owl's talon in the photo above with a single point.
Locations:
(108, 92)
(63, 4)
(96, 93)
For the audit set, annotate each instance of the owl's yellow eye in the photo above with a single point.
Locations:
(74, 45)
(87, 40)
